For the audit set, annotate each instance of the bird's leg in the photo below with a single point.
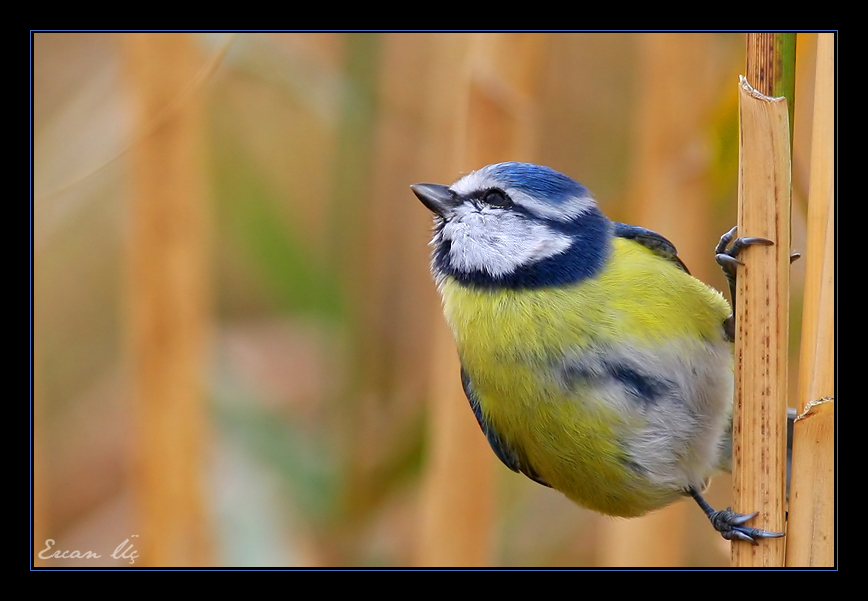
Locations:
(731, 524)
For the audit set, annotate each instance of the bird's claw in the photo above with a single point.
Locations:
(731, 526)
(722, 258)
(726, 254)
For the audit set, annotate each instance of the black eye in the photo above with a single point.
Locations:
(496, 198)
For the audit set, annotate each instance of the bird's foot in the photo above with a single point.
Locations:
(726, 255)
(731, 526)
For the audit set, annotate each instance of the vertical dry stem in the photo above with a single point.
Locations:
(762, 307)
(167, 301)
(810, 533)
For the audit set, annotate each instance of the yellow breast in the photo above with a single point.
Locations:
(512, 343)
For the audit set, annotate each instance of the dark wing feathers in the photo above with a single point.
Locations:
(650, 240)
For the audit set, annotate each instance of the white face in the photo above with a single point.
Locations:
(499, 240)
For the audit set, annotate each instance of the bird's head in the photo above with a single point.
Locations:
(515, 225)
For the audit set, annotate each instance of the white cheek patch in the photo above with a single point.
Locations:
(498, 242)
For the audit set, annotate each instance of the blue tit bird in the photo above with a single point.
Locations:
(593, 361)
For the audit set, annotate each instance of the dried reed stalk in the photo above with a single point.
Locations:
(762, 323)
(811, 525)
(167, 303)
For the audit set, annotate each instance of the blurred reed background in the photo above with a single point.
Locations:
(239, 355)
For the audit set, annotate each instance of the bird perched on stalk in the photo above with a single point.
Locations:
(593, 361)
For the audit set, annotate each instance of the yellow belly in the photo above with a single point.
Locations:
(584, 441)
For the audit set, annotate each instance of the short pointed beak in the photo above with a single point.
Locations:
(438, 198)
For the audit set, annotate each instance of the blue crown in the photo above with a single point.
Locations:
(538, 181)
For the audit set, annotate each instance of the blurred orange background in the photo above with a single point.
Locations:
(238, 353)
